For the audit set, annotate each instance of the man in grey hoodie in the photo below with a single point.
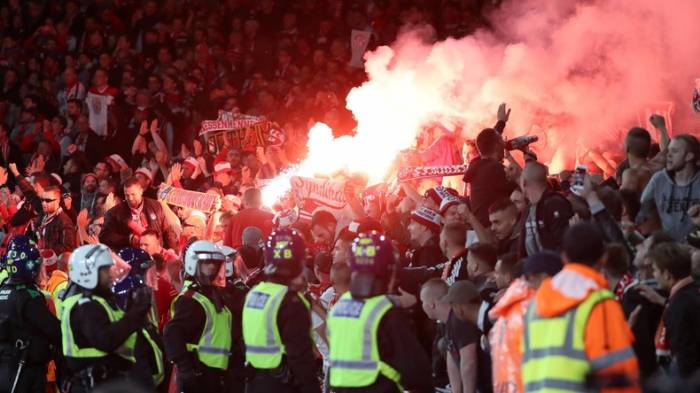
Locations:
(674, 190)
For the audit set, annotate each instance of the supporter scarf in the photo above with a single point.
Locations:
(45, 221)
(422, 172)
(622, 285)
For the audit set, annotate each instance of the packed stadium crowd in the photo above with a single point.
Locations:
(501, 277)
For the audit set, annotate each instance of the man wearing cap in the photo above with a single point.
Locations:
(223, 179)
(467, 364)
(126, 222)
(576, 337)
(371, 348)
(509, 314)
(145, 176)
(424, 230)
(190, 179)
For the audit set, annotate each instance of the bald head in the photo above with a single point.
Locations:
(252, 198)
(434, 289)
(535, 173)
(430, 294)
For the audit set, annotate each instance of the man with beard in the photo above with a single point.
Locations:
(127, 221)
(88, 193)
(673, 191)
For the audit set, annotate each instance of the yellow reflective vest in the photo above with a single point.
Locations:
(554, 355)
(352, 326)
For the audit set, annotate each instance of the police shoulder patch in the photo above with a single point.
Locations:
(348, 308)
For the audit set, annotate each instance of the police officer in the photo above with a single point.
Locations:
(198, 338)
(28, 330)
(148, 350)
(277, 322)
(98, 337)
(371, 348)
(234, 296)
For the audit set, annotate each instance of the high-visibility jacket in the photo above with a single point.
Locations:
(71, 348)
(506, 336)
(55, 286)
(263, 344)
(575, 332)
(159, 372)
(214, 345)
(352, 326)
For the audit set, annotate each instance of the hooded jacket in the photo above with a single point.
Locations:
(671, 202)
(506, 335)
(607, 337)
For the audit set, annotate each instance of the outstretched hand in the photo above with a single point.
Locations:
(503, 112)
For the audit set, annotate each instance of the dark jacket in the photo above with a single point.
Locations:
(645, 328)
(682, 322)
(488, 183)
(92, 328)
(609, 228)
(186, 327)
(553, 212)
(59, 234)
(115, 232)
(24, 315)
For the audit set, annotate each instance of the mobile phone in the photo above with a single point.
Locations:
(579, 176)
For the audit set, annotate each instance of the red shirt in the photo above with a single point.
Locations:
(248, 218)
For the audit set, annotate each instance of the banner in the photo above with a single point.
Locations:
(422, 172)
(358, 42)
(313, 195)
(185, 198)
(240, 131)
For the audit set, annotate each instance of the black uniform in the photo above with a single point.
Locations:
(399, 348)
(298, 371)
(234, 297)
(92, 329)
(146, 359)
(25, 318)
(185, 327)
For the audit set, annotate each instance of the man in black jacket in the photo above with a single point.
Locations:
(672, 268)
(486, 175)
(52, 227)
(125, 222)
(547, 216)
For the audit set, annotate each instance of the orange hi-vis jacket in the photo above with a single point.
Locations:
(607, 338)
(506, 335)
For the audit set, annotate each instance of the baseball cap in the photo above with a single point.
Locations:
(461, 292)
(543, 262)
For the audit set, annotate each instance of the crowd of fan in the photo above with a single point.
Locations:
(147, 73)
